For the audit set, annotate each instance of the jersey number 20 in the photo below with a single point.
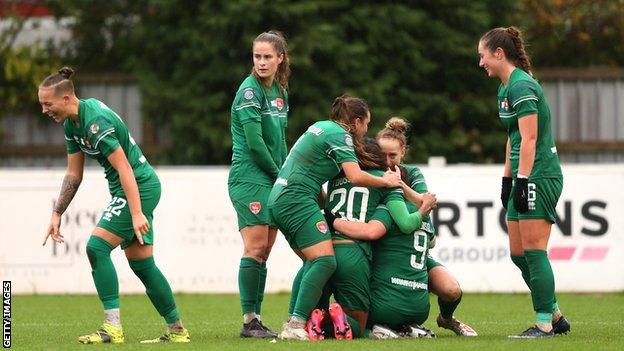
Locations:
(349, 198)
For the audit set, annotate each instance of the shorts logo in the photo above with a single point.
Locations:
(532, 196)
(321, 226)
(349, 140)
(255, 207)
(94, 128)
(249, 94)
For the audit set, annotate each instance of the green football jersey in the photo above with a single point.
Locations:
(98, 133)
(399, 265)
(356, 203)
(524, 96)
(314, 159)
(269, 106)
(417, 182)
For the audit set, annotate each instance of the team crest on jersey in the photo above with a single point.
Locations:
(321, 226)
(94, 128)
(505, 104)
(255, 207)
(248, 94)
(279, 103)
(349, 140)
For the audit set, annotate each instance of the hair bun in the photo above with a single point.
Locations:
(513, 31)
(397, 124)
(340, 101)
(66, 72)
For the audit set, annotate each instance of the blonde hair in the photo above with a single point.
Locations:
(396, 128)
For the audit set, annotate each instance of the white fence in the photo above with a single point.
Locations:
(198, 247)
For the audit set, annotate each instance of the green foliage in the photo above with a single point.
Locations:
(21, 68)
(101, 32)
(575, 33)
(416, 60)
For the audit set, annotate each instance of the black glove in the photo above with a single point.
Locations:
(330, 218)
(506, 191)
(521, 195)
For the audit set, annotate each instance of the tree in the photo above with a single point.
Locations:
(23, 67)
(416, 60)
(575, 33)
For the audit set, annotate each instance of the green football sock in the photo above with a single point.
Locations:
(448, 308)
(542, 282)
(261, 284)
(294, 292)
(103, 271)
(323, 302)
(157, 288)
(248, 280)
(312, 284)
(520, 262)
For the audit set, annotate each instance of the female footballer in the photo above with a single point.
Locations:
(393, 142)
(92, 128)
(532, 180)
(325, 149)
(258, 123)
(350, 283)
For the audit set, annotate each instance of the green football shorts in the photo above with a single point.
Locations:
(250, 203)
(351, 280)
(543, 196)
(300, 220)
(116, 217)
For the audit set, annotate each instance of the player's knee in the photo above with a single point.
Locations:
(97, 248)
(455, 293)
(256, 249)
(257, 254)
(328, 262)
(452, 292)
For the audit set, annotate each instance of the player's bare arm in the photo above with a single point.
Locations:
(71, 183)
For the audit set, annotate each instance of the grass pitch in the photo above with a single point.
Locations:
(54, 322)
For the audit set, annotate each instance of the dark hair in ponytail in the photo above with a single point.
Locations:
(510, 40)
(278, 41)
(371, 146)
(60, 80)
(345, 110)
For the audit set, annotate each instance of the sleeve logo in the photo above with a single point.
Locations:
(255, 207)
(94, 128)
(505, 104)
(349, 140)
(321, 226)
(248, 94)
